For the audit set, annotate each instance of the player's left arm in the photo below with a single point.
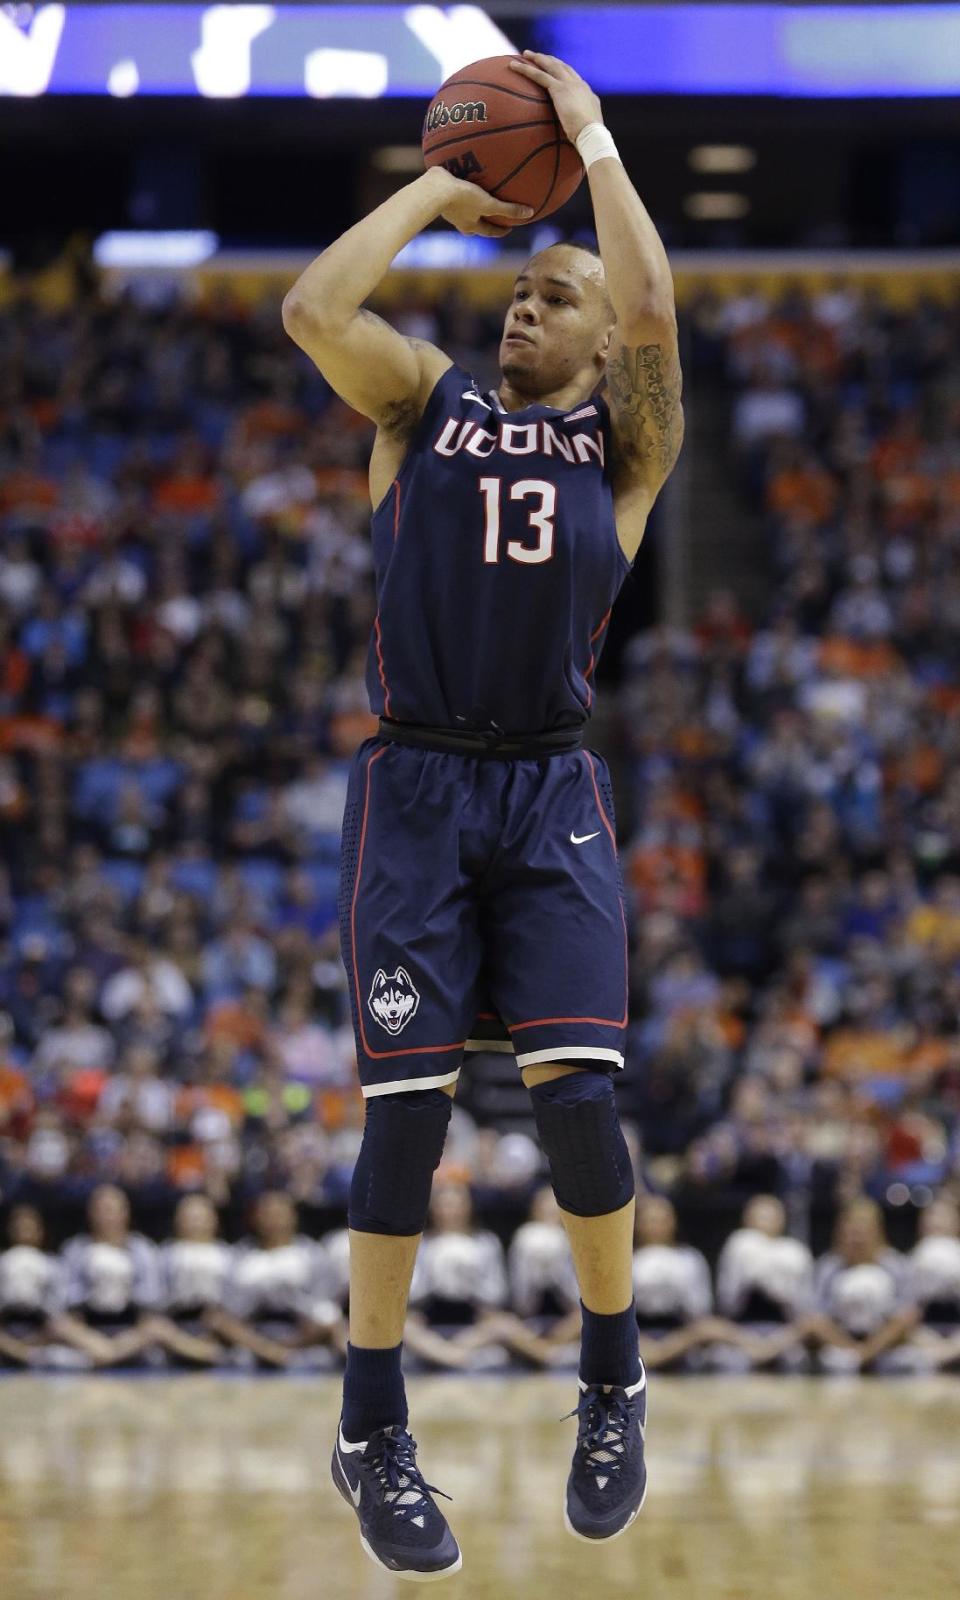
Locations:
(643, 366)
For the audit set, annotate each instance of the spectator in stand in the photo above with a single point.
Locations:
(76, 1042)
(32, 1315)
(147, 976)
(866, 1308)
(111, 1280)
(277, 1300)
(765, 1282)
(933, 1267)
(543, 1285)
(136, 1096)
(459, 1290)
(195, 1266)
(672, 1290)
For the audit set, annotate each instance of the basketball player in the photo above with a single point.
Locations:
(479, 865)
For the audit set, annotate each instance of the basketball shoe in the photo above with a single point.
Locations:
(401, 1527)
(608, 1479)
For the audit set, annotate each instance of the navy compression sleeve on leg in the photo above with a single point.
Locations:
(580, 1133)
(403, 1139)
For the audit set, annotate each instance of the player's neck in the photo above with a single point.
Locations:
(573, 393)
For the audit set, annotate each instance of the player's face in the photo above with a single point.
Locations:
(558, 323)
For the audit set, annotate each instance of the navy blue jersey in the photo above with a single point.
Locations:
(497, 565)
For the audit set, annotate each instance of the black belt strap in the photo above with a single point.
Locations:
(491, 744)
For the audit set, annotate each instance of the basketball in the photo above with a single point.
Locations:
(492, 126)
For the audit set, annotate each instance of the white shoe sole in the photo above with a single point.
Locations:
(604, 1538)
(412, 1576)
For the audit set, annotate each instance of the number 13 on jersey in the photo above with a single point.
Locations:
(539, 519)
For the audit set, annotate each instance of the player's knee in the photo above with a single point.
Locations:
(403, 1139)
(580, 1133)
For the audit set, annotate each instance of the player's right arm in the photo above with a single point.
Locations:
(370, 365)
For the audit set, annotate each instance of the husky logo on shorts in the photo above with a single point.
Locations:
(394, 1000)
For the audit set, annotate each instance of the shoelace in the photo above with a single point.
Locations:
(601, 1441)
(404, 1486)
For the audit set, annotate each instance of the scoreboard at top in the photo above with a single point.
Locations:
(369, 51)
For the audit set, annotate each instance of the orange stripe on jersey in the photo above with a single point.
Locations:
(592, 662)
(380, 668)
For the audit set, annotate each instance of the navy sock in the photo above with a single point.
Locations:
(373, 1392)
(609, 1348)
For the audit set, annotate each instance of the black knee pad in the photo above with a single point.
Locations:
(403, 1140)
(582, 1139)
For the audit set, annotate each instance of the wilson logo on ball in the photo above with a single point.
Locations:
(441, 114)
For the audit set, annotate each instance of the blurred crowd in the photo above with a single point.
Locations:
(185, 603)
(793, 847)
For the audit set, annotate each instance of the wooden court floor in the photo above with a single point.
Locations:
(199, 1488)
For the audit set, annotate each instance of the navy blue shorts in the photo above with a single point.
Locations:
(480, 898)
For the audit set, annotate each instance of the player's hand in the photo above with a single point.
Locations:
(573, 100)
(470, 209)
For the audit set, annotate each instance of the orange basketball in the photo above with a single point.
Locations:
(498, 129)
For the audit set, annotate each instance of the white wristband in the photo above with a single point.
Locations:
(594, 142)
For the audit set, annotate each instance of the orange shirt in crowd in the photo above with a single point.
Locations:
(854, 658)
(187, 493)
(803, 489)
(215, 1096)
(235, 1022)
(860, 1053)
(24, 489)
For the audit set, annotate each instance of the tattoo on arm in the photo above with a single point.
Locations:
(644, 390)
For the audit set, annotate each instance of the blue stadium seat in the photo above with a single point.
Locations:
(198, 878)
(124, 876)
(262, 877)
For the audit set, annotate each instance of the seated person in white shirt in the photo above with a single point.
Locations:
(865, 1304)
(933, 1272)
(112, 1286)
(543, 1284)
(672, 1291)
(194, 1268)
(765, 1282)
(32, 1313)
(277, 1297)
(459, 1290)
